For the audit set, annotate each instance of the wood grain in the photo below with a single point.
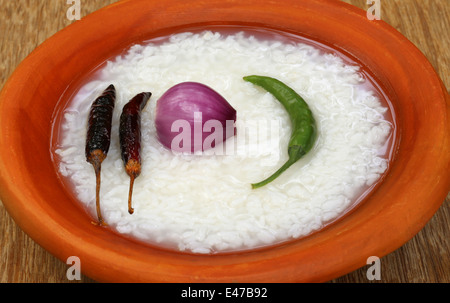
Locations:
(24, 24)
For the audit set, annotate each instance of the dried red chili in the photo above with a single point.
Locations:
(130, 139)
(99, 137)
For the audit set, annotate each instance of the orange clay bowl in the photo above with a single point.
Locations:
(408, 196)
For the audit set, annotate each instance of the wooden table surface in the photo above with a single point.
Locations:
(24, 24)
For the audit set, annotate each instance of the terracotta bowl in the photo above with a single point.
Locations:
(412, 191)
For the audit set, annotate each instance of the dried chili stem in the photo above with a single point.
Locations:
(96, 158)
(133, 169)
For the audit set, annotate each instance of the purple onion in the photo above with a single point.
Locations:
(191, 116)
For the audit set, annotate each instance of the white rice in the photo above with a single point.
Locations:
(204, 203)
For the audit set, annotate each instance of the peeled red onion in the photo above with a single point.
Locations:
(191, 116)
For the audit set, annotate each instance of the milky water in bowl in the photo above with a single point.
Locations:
(204, 203)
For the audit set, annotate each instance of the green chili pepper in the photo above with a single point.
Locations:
(303, 124)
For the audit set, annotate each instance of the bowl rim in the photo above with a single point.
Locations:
(318, 262)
